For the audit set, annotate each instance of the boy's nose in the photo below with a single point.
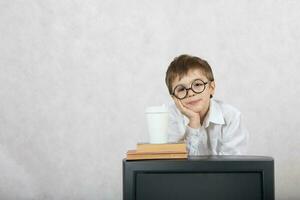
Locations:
(190, 93)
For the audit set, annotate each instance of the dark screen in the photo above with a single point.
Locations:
(199, 186)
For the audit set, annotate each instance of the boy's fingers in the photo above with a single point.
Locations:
(181, 105)
(178, 103)
(174, 98)
(182, 108)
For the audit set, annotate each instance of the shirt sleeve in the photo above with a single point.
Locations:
(234, 138)
(196, 140)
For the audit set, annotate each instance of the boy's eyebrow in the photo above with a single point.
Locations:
(189, 82)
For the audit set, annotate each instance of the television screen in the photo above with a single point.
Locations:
(203, 177)
(230, 185)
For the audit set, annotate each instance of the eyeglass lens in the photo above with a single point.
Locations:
(198, 86)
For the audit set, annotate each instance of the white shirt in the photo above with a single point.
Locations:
(222, 132)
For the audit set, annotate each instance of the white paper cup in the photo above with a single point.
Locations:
(157, 121)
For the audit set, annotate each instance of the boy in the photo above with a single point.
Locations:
(208, 126)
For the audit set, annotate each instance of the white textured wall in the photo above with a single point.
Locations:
(75, 77)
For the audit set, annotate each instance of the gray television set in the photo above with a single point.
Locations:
(200, 177)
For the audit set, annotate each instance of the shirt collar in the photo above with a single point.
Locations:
(214, 114)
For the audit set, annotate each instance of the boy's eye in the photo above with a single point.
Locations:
(180, 89)
(198, 84)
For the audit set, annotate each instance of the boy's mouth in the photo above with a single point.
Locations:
(194, 102)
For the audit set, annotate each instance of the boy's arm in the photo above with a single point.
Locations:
(196, 140)
(176, 125)
(234, 139)
(194, 137)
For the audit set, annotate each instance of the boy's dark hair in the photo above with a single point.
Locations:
(180, 66)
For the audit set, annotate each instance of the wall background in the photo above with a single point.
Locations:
(75, 77)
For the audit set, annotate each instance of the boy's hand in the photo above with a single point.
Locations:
(193, 117)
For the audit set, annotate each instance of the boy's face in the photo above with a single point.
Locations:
(196, 102)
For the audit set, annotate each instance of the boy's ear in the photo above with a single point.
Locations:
(212, 88)
(213, 83)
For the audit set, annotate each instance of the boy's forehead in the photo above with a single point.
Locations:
(190, 76)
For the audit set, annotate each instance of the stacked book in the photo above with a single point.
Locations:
(146, 151)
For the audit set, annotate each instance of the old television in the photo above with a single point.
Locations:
(200, 177)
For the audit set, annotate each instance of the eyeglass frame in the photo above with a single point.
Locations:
(190, 88)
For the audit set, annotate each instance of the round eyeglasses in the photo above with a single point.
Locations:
(198, 86)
